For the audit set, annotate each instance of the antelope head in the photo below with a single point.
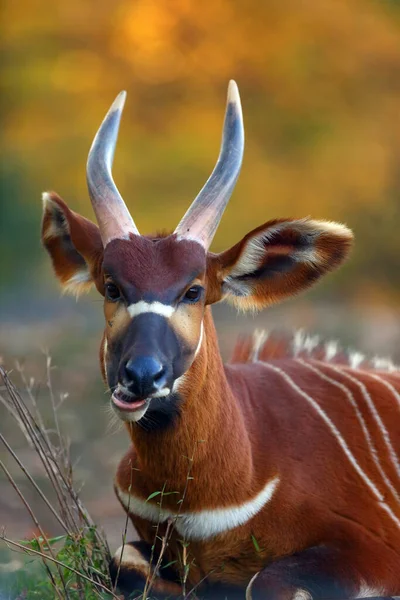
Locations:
(156, 288)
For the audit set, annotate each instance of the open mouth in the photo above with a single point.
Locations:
(125, 402)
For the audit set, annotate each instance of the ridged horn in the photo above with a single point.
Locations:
(113, 217)
(203, 216)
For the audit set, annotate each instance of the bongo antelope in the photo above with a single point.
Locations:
(276, 475)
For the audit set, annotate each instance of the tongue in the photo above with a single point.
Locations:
(125, 402)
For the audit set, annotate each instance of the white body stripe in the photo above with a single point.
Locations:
(369, 401)
(367, 435)
(138, 308)
(350, 456)
(203, 524)
(387, 385)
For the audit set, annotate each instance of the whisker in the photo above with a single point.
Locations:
(111, 389)
(114, 424)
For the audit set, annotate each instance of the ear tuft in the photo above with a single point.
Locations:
(54, 222)
(73, 243)
(278, 260)
(79, 283)
(337, 229)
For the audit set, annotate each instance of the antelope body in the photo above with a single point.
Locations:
(274, 476)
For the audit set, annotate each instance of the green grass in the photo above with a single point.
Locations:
(81, 571)
(32, 580)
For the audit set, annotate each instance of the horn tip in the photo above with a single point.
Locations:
(233, 93)
(119, 102)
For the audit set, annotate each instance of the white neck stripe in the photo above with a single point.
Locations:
(202, 524)
(138, 308)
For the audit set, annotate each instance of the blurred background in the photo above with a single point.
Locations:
(320, 87)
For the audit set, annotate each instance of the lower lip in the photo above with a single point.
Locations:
(127, 406)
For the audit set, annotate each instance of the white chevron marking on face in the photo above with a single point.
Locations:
(105, 356)
(141, 307)
(202, 524)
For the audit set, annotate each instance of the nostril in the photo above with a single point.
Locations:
(131, 372)
(160, 375)
(145, 375)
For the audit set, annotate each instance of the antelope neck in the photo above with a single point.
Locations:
(210, 427)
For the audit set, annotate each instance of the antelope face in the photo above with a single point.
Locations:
(154, 303)
(155, 289)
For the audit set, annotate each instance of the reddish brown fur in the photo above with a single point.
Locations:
(246, 446)
(246, 424)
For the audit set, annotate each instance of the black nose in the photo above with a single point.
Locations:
(144, 376)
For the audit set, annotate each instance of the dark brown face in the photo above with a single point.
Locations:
(154, 305)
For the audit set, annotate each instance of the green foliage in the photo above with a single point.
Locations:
(32, 581)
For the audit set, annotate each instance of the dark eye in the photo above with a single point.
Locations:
(112, 292)
(193, 294)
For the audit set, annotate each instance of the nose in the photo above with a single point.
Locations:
(144, 376)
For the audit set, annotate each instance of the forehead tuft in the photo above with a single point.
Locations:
(154, 262)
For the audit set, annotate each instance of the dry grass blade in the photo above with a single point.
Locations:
(85, 552)
(39, 527)
(34, 484)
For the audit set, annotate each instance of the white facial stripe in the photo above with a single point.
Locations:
(178, 382)
(105, 356)
(336, 433)
(202, 524)
(161, 393)
(200, 339)
(141, 307)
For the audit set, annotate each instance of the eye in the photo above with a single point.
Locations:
(112, 292)
(193, 294)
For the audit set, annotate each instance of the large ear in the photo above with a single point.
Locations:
(277, 260)
(74, 245)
